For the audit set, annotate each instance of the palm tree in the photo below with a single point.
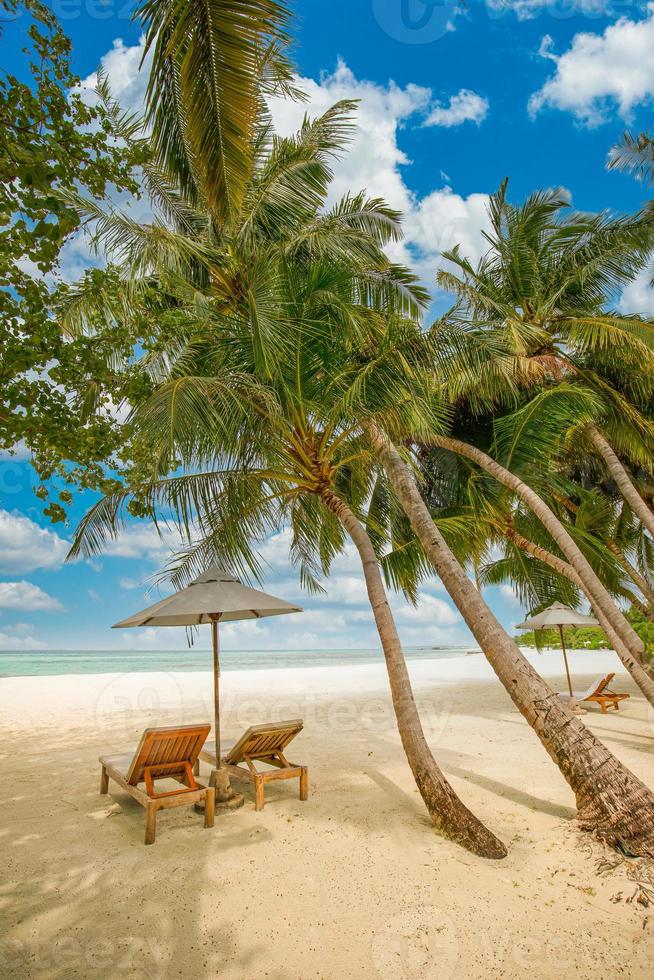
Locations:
(611, 801)
(478, 518)
(532, 314)
(524, 440)
(266, 441)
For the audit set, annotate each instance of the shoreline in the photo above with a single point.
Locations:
(81, 662)
(413, 655)
(40, 699)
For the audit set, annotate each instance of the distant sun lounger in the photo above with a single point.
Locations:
(262, 743)
(162, 753)
(599, 691)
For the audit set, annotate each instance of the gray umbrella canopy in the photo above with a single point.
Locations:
(214, 597)
(557, 616)
(214, 594)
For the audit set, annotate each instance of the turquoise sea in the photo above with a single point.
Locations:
(30, 663)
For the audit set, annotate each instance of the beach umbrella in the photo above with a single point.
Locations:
(214, 597)
(557, 616)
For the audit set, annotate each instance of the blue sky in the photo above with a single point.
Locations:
(452, 101)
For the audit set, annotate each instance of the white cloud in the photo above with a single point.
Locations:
(19, 452)
(442, 220)
(509, 594)
(430, 612)
(601, 73)
(24, 546)
(26, 595)
(638, 296)
(340, 618)
(465, 106)
(128, 80)
(374, 161)
(128, 83)
(529, 9)
(142, 540)
(19, 637)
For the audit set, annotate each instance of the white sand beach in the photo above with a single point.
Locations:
(354, 883)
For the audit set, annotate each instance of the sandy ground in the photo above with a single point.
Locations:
(353, 883)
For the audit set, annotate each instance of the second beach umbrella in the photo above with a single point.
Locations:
(557, 616)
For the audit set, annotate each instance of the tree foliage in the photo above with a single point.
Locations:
(54, 139)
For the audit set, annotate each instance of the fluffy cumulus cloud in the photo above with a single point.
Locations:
(142, 540)
(375, 160)
(601, 73)
(638, 296)
(24, 546)
(442, 220)
(465, 106)
(128, 81)
(19, 637)
(26, 595)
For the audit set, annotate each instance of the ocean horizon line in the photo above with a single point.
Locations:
(28, 663)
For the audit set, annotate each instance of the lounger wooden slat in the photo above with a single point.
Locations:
(170, 752)
(262, 743)
(600, 693)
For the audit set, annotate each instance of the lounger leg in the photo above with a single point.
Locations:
(209, 806)
(150, 823)
(304, 783)
(259, 790)
(196, 767)
(104, 781)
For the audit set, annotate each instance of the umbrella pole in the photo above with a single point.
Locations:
(565, 660)
(225, 795)
(216, 688)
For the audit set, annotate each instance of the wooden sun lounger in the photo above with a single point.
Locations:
(262, 743)
(600, 692)
(162, 753)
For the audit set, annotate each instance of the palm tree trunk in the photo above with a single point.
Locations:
(592, 586)
(611, 801)
(565, 569)
(448, 813)
(642, 672)
(622, 479)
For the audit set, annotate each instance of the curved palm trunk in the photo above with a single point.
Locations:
(611, 801)
(446, 810)
(565, 569)
(621, 477)
(592, 586)
(641, 672)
